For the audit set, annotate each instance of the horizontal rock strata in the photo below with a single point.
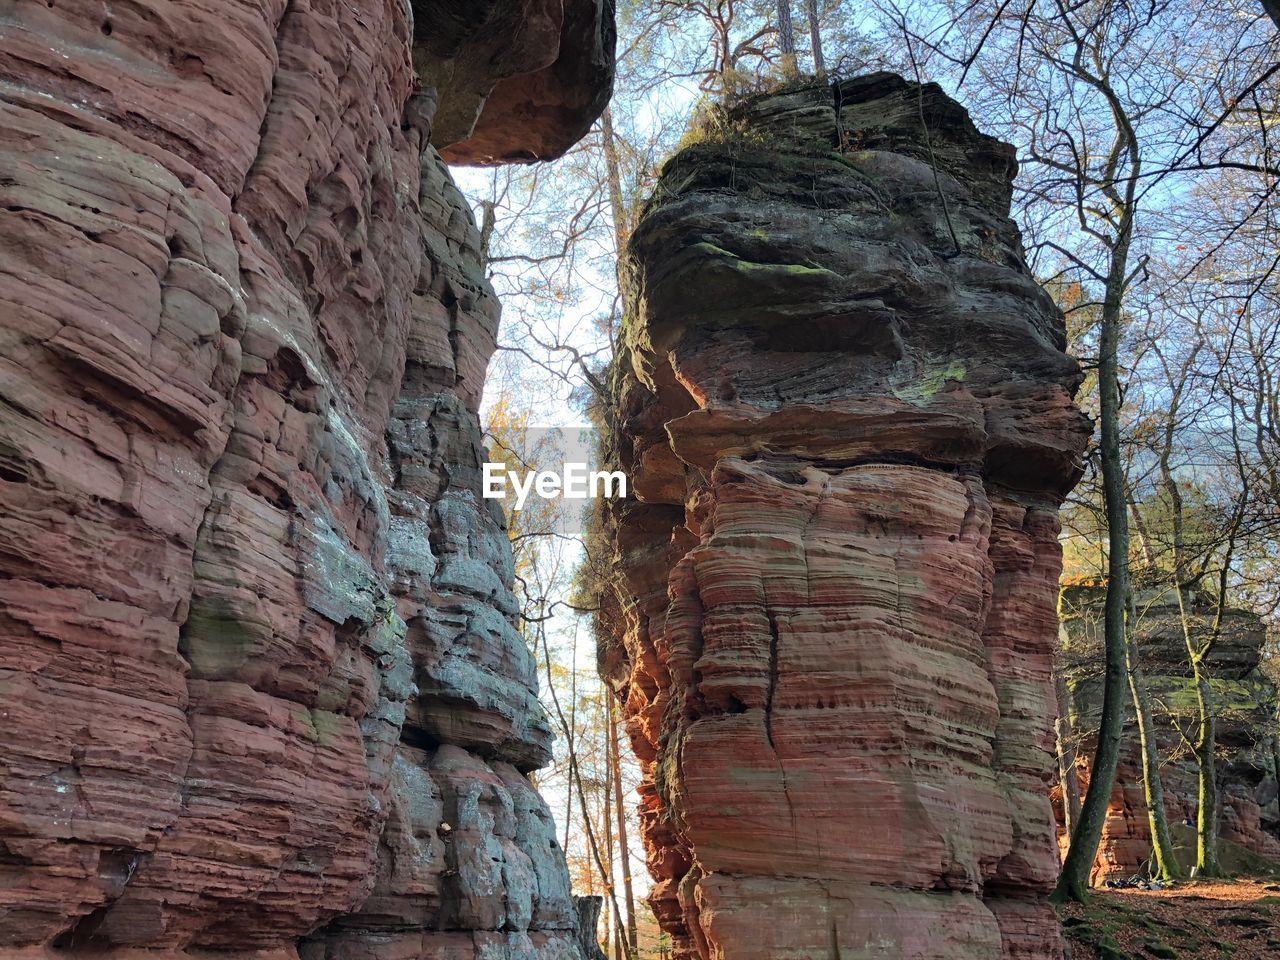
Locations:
(848, 416)
(259, 676)
(1245, 707)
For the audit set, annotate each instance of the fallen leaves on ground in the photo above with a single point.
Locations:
(1214, 920)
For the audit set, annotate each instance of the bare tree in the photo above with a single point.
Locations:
(1111, 120)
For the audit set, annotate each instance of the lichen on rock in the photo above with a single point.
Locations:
(848, 415)
(258, 641)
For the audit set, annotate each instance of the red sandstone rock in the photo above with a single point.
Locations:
(850, 424)
(528, 79)
(256, 639)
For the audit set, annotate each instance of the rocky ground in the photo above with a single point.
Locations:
(1193, 921)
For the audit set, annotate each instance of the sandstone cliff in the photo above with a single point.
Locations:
(260, 683)
(846, 409)
(1245, 708)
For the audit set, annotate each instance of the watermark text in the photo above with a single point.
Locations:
(575, 481)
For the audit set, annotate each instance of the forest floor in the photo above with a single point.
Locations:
(1237, 919)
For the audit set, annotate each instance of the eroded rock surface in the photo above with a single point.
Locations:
(848, 415)
(528, 77)
(259, 679)
(1245, 707)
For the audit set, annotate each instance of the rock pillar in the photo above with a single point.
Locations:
(848, 416)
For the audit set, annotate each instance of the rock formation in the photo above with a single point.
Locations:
(1245, 728)
(260, 683)
(849, 421)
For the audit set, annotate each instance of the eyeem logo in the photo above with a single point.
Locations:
(576, 481)
(549, 477)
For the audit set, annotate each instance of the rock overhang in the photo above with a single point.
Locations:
(519, 82)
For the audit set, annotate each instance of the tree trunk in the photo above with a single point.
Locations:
(786, 39)
(628, 899)
(615, 915)
(1073, 882)
(488, 223)
(815, 37)
(1067, 774)
(1206, 744)
(573, 732)
(613, 173)
(1165, 863)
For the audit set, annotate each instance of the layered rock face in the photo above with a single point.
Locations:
(1245, 707)
(849, 421)
(260, 683)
